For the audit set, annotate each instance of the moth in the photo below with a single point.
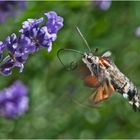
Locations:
(106, 77)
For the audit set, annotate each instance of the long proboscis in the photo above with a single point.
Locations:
(72, 65)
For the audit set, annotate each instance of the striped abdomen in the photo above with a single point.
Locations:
(124, 86)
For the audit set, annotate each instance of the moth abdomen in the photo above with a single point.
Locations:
(133, 98)
(127, 89)
(131, 94)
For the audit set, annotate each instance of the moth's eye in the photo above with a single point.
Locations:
(85, 56)
(89, 60)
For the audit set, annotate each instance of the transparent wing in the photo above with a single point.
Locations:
(107, 54)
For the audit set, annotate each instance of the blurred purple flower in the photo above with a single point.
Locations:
(137, 31)
(10, 8)
(14, 100)
(33, 37)
(1, 49)
(103, 4)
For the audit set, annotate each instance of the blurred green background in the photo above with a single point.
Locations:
(58, 98)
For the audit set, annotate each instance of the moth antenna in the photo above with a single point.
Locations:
(78, 30)
(72, 65)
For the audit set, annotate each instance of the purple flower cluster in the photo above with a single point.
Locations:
(34, 35)
(103, 4)
(10, 8)
(14, 100)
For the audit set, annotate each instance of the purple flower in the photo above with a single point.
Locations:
(45, 38)
(29, 25)
(103, 4)
(54, 22)
(14, 100)
(10, 8)
(34, 35)
(1, 48)
(137, 31)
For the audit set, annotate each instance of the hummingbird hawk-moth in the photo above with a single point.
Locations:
(106, 77)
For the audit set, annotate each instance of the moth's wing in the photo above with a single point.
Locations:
(108, 57)
(91, 81)
(88, 79)
(103, 92)
(99, 95)
(108, 89)
(107, 54)
(83, 71)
